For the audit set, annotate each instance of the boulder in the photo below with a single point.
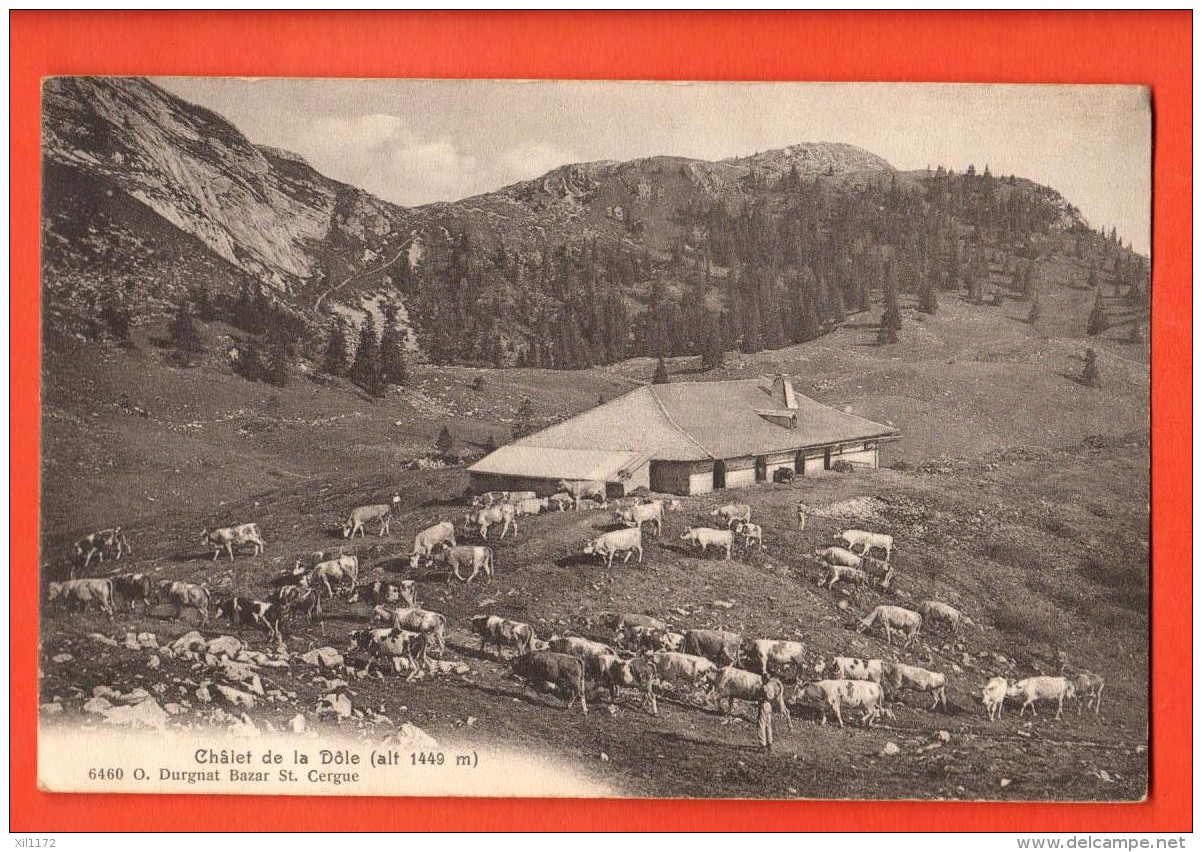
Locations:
(134, 696)
(191, 641)
(409, 737)
(62, 658)
(203, 695)
(890, 748)
(326, 657)
(173, 709)
(297, 723)
(104, 640)
(145, 714)
(153, 661)
(236, 697)
(131, 642)
(97, 704)
(102, 691)
(235, 672)
(148, 641)
(243, 727)
(336, 704)
(228, 645)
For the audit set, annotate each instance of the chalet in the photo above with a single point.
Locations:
(687, 438)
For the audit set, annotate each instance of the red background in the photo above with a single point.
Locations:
(1152, 49)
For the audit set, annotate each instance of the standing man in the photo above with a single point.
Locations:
(802, 509)
(773, 697)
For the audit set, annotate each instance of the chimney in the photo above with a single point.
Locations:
(782, 391)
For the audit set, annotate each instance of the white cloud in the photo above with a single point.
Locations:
(381, 154)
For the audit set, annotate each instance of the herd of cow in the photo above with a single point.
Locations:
(638, 651)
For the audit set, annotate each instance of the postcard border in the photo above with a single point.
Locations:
(1148, 48)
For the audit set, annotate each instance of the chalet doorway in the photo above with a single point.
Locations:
(826, 459)
(719, 475)
(799, 463)
(761, 469)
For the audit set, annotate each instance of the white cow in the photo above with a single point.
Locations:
(993, 696)
(608, 545)
(381, 512)
(938, 611)
(899, 676)
(1089, 686)
(1042, 688)
(833, 695)
(703, 537)
(580, 488)
(894, 618)
(505, 514)
(430, 538)
(732, 512)
(778, 651)
(866, 541)
(636, 516)
(229, 538)
(838, 556)
(855, 668)
(730, 683)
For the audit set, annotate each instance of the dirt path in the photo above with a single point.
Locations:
(364, 273)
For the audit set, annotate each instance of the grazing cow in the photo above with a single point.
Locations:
(610, 544)
(833, 695)
(564, 671)
(934, 611)
(750, 532)
(581, 488)
(293, 576)
(703, 537)
(475, 557)
(302, 601)
(867, 541)
(181, 594)
(488, 498)
(675, 666)
(730, 683)
(381, 512)
(637, 515)
(385, 592)
(244, 612)
(332, 572)
(433, 624)
(497, 631)
(721, 646)
(77, 594)
(392, 644)
(780, 652)
(578, 646)
(802, 511)
(1042, 688)
(894, 618)
(839, 574)
(1089, 686)
(504, 514)
(878, 571)
(993, 696)
(644, 638)
(560, 501)
(899, 676)
(732, 512)
(134, 587)
(838, 556)
(229, 538)
(102, 542)
(611, 672)
(854, 668)
(429, 538)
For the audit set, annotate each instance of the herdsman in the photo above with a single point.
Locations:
(773, 697)
(802, 509)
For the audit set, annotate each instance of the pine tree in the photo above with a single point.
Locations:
(275, 365)
(713, 357)
(523, 423)
(445, 442)
(1034, 313)
(202, 302)
(1098, 320)
(116, 317)
(365, 371)
(1089, 373)
(392, 352)
(184, 335)
(336, 357)
(661, 373)
(887, 333)
(490, 444)
(928, 298)
(892, 315)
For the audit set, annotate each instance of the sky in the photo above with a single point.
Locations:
(412, 142)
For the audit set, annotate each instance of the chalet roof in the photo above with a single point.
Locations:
(682, 421)
(555, 463)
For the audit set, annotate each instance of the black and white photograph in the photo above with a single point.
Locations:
(595, 439)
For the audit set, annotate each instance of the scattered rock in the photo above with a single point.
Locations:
(104, 640)
(131, 642)
(722, 604)
(236, 697)
(1005, 782)
(943, 736)
(148, 641)
(326, 657)
(97, 705)
(410, 737)
(228, 645)
(173, 709)
(297, 723)
(1105, 776)
(891, 748)
(134, 696)
(604, 757)
(62, 658)
(203, 695)
(153, 662)
(145, 714)
(191, 641)
(50, 708)
(242, 726)
(102, 691)
(335, 703)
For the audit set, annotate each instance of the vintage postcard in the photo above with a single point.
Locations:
(699, 440)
